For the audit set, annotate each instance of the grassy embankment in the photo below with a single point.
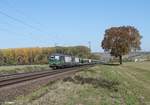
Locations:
(128, 84)
(22, 68)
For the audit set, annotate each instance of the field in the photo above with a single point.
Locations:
(128, 84)
(22, 68)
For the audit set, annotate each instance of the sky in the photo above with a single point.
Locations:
(46, 23)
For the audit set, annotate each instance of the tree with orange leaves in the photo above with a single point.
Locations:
(121, 40)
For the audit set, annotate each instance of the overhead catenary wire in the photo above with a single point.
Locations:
(25, 23)
(19, 20)
(9, 4)
(22, 22)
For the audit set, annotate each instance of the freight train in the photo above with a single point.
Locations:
(59, 61)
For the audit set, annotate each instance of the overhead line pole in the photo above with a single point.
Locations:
(89, 42)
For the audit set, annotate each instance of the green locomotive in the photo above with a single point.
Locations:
(58, 61)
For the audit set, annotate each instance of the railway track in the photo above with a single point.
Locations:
(11, 79)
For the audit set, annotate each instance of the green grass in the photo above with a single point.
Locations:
(128, 84)
(22, 68)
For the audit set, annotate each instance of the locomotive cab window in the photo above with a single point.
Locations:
(52, 57)
(57, 57)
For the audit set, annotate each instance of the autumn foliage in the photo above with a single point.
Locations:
(21, 56)
(121, 40)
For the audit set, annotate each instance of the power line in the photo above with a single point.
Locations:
(21, 20)
(19, 11)
(10, 4)
(18, 20)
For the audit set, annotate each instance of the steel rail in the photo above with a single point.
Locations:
(18, 78)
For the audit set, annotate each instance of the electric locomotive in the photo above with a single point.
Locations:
(59, 61)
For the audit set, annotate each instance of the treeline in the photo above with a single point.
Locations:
(24, 56)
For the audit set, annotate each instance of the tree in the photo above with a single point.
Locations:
(38, 55)
(121, 40)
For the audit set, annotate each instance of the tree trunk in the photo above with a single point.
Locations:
(120, 59)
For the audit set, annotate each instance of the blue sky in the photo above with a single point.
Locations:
(69, 22)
